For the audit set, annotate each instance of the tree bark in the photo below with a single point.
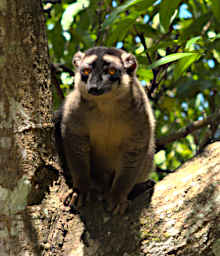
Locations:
(179, 216)
(25, 121)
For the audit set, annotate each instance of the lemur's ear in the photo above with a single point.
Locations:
(77, 59)
(130, 62)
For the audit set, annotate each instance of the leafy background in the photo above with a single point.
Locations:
(177, 44)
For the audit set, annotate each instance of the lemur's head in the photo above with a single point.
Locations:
(101, 70)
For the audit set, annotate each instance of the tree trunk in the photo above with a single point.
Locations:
(180, 217)
(25, 121)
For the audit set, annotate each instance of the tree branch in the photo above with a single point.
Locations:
(182, 203)
(56, 82)
(183, 132)
(154, 83)
(62, 68)
(145, 47)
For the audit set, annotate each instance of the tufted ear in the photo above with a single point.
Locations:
(129, 62)
(77, 59)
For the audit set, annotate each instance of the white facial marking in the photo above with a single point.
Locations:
(111, 58)
(90, 59)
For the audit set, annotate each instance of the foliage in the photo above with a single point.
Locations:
(177, 44)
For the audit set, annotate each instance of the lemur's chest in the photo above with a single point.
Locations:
(108, 131)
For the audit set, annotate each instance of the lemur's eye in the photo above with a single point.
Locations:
(111, 71)
(86, 71)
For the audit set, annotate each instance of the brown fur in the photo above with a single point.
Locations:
(107, 140)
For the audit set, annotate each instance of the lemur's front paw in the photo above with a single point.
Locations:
(74, 198)
(117, 207)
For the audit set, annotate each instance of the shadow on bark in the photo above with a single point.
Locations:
(107, 235)
(43, 179)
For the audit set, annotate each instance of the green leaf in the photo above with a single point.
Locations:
(183, 64)
(188, 88)
(145, 74)
(114, 15)
(192, 28)
(71, 12)
(56, 38)
(215, 4)
(191, 42)
(160, 157)
(170, 58)
(147, 30)
(167, 9)
(123, 25)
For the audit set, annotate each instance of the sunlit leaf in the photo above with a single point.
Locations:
(216, 55)
(170, 58)
(190, 43)
(71, 11)
(167, 9)
(111, 18)
(160, 157)
(183, 64)
(144, 73)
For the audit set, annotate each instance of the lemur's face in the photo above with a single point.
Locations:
(101, 73)
(102, 70)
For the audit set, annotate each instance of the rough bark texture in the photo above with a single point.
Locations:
(25, 119)
(181, 218)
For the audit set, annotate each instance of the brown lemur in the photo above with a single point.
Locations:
(104, 131)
